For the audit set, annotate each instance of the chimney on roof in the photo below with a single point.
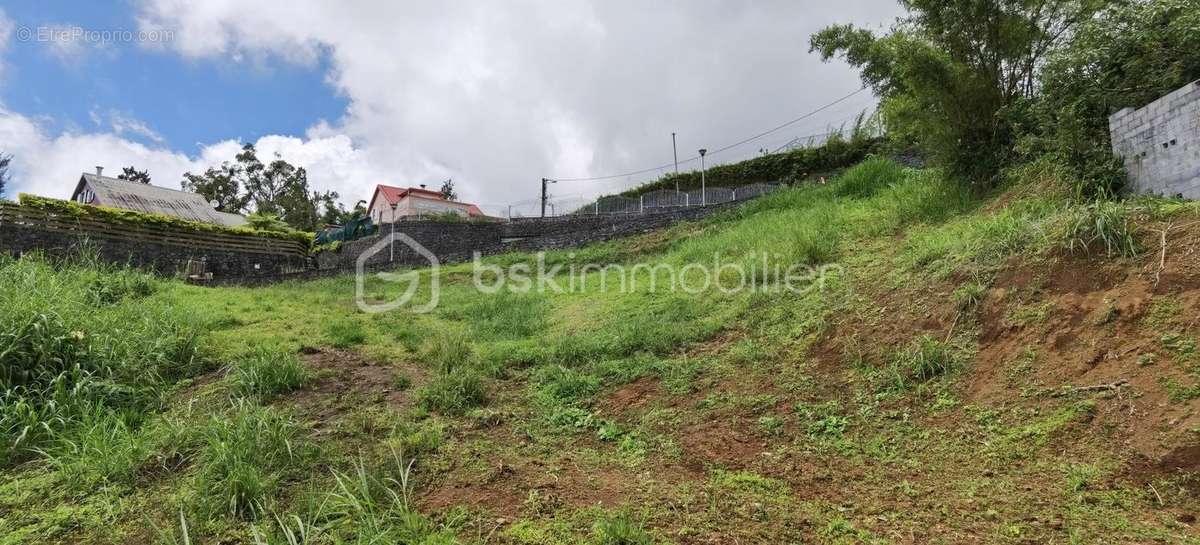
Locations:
(99, 170)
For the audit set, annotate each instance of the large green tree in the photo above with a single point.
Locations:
(221, 185)
(953, 75)
(279, 189)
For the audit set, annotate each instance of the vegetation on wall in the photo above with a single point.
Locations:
(836, 153)
(139, 219)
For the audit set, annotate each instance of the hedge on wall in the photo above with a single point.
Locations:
(789, 166)
(140, 219)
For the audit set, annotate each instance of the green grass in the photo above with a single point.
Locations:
(596, 388)
(77, 339)
(268, 373)
(453, 393)
(241, 459)
(620, 529)
(345, 333)
(868, 178)
(1100, 226)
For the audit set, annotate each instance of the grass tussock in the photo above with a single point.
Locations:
(241, 459)
(79, 338)
(268, 373)
(1100, 226)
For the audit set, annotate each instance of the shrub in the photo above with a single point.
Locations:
(791, 166)
(69, 209)
(268, 373)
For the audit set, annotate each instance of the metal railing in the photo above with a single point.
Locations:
(665, 200)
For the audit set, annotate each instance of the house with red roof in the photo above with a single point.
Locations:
(389, 203)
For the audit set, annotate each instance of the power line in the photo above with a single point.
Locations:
(719, 150)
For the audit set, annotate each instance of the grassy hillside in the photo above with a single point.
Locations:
(1008, 369)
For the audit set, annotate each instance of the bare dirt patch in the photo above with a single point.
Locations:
(347, 381)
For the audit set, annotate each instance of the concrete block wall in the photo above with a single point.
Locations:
(1160, 143)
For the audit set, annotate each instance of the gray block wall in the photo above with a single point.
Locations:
(1160, 143)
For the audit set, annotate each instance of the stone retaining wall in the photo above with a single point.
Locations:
(164, 259)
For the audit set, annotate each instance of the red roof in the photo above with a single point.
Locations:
(393, 194)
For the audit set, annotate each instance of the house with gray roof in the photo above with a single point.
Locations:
(98, 190)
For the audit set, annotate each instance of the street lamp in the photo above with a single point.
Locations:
(703, 193)
(544, 182)
(392, 242)
(675, 153)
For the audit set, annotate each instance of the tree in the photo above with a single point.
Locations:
(334, 213)
(134, 175)
(448, 192)
(4, 176)
(219, 184)
(955, 75)
(1131, 54)
(279, 190)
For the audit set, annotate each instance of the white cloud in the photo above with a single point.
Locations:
(123, 123)
(50, 164)
(499, 94)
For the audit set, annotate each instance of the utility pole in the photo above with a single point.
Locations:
(703, 193)
(544, 182)
(675, 152)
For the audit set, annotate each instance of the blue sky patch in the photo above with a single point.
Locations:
(183, 103)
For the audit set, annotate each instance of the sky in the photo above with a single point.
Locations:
(492, 94)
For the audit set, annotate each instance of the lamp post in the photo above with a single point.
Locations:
(703, 193)
(675, 153)
(544, 182)
(392, 241)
